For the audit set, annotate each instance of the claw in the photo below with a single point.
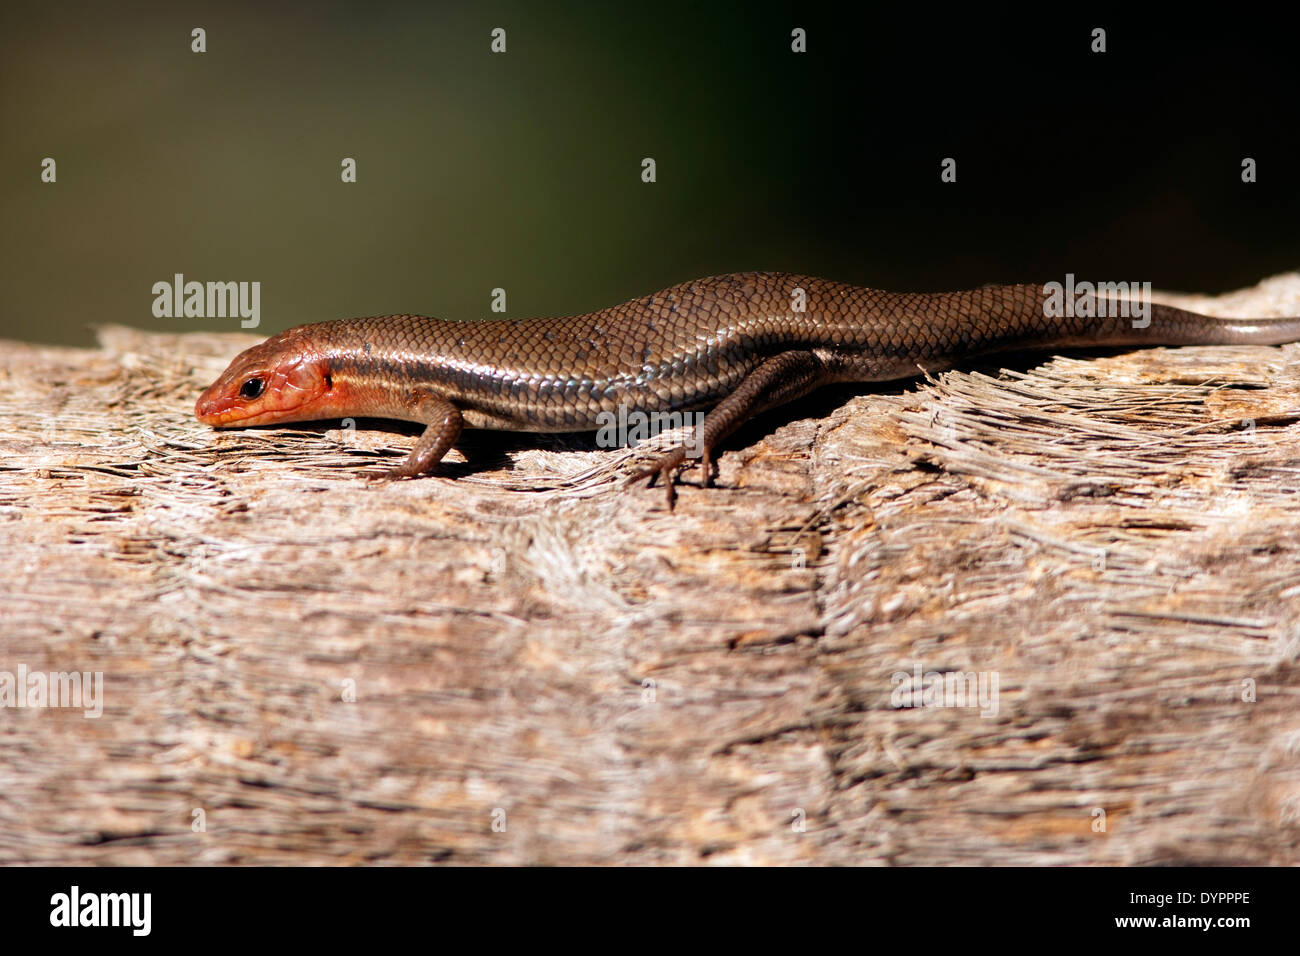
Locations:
(666, 465)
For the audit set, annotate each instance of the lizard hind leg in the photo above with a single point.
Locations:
(779, 379)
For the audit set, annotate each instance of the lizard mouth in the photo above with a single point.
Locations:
(212, 408)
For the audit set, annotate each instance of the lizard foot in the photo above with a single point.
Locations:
(668, 465)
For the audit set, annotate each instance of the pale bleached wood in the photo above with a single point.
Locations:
(1116, 536)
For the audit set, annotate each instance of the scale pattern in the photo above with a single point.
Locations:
(689, 346)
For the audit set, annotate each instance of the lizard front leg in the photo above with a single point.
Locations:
(443, 427)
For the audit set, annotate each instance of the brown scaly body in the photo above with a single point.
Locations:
(736, 344)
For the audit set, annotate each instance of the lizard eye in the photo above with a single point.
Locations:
(252, 388)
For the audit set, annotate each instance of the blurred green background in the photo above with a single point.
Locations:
(523, 170)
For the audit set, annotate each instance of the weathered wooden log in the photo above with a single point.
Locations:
(520, 661)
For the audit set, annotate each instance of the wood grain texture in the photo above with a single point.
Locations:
(1116, 536)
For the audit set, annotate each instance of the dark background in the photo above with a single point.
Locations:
(523, 170)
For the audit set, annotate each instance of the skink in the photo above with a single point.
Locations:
(734, 345)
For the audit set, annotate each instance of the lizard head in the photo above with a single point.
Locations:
(282, 379)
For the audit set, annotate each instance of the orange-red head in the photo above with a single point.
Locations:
(283, 379)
